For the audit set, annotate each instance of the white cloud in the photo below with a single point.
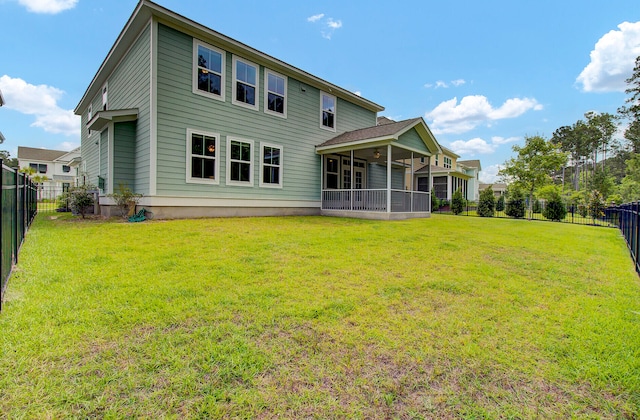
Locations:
(42, 102)
(472, 111)
(329, 25)
(476, 146)
(48, 6)
(612, 60)
(67, 145)
(315, 18)
(502, 140)
(334, 24)
(358, 93)
(489, 175)
(443, 84)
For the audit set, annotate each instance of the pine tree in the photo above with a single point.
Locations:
(487, 204)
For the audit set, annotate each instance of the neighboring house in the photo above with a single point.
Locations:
(203, 125)
(58, 168)
(443, 174)
(498, 188)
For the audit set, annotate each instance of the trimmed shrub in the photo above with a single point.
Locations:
(81, 199)
(487, 204)
(555, 208)
(515, 204)
(537, 206)
(457, 202)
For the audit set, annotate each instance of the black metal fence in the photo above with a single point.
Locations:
(18, 200)
(576, 214)
(627, 218)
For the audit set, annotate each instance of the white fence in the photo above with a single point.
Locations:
(376, 200)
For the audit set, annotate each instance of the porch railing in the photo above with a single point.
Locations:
(376, 200)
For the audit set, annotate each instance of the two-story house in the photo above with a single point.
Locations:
(445, 174)
(204, 125)
(54, 167)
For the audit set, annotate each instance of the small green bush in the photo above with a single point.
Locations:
(487, 204)
(81, 199)
(537, 206)
(596, 205)
(435, 202)
(457, 202)
(515, 204)
(125, 199)
(555, 208)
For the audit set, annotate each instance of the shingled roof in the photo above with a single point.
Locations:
(378, 131)
(475, 163)
(32, 153)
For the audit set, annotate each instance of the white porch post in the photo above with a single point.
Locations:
(351, 176)
(411, 182)
(388, 178)
(321, 182)
(449, 186)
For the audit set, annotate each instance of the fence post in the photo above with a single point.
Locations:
(2, 280)
(14, 222)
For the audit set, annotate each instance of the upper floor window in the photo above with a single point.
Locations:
(245, 83)
(239, 162)
(39, 167)
(208, 73)
(447, 162)
(437, 158)
(105, 98)
(202, 157)
(328, 111)
(275, 97)
(66, 168)
(271, 165)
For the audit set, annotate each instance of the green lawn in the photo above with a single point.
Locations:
(311, 317)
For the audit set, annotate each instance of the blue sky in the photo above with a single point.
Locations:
(482, 74)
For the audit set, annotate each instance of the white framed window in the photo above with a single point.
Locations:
(90, 113)
(208, 70)
(203, 164)
(328, 111)
(245, 83)
(270, 165)
(437, 156)
(275, 95)
(447, 162)
(239, 162)
(105, 97)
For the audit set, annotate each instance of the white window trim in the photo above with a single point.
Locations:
(267, 72)
(234, 85)
(251, 163)
(194, 71)
(262, 183)
(335, 112)
(216, 173)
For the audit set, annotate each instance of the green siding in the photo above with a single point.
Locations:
(377, 177)
(412, 139)
(180, 109)
(128, 87)
(124, 154)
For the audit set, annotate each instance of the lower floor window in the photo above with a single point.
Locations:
(202, 151)
(240, 162)
(271, 162)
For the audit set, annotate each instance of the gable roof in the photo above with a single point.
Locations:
(32, 153)
(369, 133)
(147, 10)
(474, 163)
(384, 120)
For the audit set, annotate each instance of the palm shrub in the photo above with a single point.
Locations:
(515, 206)
(457, 202)
(555, 208)
(487, 204)
(500, 203)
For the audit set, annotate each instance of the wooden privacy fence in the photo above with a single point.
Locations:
(18, 201)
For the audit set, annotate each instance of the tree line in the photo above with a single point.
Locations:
(586, 164)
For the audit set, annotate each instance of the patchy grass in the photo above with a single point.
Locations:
(321, 317)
